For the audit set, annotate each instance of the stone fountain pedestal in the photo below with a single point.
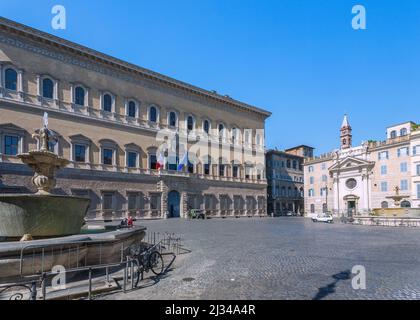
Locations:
(42, 214)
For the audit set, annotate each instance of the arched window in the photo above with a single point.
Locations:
(206, 126)
(403, 132)
(312, 208)
(190, 123)
(132, 109)
(384, 204)
(10, 76)
(393, 134)
(172, 119)
(405, 204)
(79, 96)
(107, 104)
(48, 88)
(344, 142)
(153, 114)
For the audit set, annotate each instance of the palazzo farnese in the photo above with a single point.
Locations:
(111, 119)
(357, 180)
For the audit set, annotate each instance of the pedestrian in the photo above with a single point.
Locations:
(130, 222)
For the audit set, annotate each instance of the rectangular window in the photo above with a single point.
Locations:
(79, 153)
(221, 170)
(107, 156)
(235, 171)
(416, 150)
(418, 191)
(132, 159)
(418, 169)
(152, 162)
(383, 155)
(190, 167)
(107, 201)
(310, 169)
(324, 166)
(207, 169)
(404, 185)
(384, 186)
(155, 202)
(403, 152)
(403, 167)
(384, 170)
(311, 180)
(11, 145)
(132, 201)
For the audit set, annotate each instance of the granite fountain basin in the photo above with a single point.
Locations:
(41, 215)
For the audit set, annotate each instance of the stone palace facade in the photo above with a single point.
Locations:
(126, 130)
(354, 180)
(285, 179)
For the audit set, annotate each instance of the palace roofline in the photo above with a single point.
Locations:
(283, 153)
(35, 34)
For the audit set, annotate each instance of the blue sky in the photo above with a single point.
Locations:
(300, 59)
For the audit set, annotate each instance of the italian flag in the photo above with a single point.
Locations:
(160, 162)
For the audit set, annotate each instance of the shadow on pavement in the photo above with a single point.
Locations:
(330, 288)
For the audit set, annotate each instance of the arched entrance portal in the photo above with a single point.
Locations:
(174, 200)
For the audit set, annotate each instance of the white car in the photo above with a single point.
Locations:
(323, 218)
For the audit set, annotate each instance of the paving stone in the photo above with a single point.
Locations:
(286, 258)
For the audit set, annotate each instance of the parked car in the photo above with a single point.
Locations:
(289, 213)
(323, 218)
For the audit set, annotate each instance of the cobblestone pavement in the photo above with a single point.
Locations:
(286, 258)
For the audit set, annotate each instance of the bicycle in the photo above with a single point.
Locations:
(148, 260)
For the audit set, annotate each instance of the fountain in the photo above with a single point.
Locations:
(42, 214)
(55, 222)
(397, 210)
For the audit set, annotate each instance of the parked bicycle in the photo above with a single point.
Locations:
(145, 261)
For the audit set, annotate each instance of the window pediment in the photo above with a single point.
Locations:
(10, 127)
(133, 147)
(80, 138)
(108, 143)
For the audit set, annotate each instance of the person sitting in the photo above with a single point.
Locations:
(124, 223)
(130, 222)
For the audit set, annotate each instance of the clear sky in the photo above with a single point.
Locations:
(300, 59)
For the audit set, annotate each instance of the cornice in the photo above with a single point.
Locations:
(102, 63)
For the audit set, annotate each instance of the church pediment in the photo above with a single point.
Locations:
(350, 163)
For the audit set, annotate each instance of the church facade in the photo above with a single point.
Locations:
(357, 179)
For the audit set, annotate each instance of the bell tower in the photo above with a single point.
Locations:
(345, 134)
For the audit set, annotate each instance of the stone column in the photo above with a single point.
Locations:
(38, 88)
(365, 185)
(336, 201)
(56, 100)
(20, 84)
